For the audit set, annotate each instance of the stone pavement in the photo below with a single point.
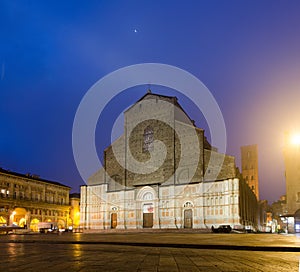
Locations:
(82, 252)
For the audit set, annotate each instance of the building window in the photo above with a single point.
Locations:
(148, 139)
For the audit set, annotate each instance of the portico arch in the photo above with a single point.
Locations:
(19, 217)
(3, 221)
(34, 224)
(61, 224)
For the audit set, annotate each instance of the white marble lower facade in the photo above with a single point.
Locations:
(198, 205)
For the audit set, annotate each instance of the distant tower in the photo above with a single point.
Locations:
(250, 167)
(292, 173)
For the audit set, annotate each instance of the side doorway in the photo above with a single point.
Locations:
(148, 216)
(113, 220)
(188, 219)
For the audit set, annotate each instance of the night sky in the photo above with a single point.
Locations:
(247, 53)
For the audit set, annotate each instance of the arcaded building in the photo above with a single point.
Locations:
(26, 200)
(163, 173)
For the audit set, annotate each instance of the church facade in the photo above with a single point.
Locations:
(163, 173)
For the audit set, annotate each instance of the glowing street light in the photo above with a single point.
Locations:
(295, 139)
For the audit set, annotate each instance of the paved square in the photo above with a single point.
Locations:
(88, 253)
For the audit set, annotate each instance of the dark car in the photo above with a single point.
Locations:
(222, 229)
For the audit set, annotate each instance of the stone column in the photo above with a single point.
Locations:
(28, 219)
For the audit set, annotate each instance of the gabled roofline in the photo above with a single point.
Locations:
(173, 98)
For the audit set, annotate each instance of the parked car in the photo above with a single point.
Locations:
(222, 229)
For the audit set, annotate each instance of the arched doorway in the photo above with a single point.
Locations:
(18, 217)
(147, 198)
(297, 221)
(148, 215)
(113, 220)
(188, 215)
(188, 219)
(61, 224)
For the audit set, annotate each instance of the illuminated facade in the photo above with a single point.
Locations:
(292, 178)
(250, 167)
(74, 219)
(170, 196)
(26, 200)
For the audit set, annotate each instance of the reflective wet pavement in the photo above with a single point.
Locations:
(85, 252)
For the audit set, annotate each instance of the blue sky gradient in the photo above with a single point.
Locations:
(51, 52)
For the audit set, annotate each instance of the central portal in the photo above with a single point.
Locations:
(148, 215)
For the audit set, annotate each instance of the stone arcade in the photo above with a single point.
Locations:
(163, 173)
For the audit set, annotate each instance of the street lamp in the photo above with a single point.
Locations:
(295, 139)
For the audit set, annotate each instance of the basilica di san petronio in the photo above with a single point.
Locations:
(192, 186)
(161, 173)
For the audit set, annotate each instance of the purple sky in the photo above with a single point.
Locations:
(247, 53)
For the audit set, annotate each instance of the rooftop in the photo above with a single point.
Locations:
(32, 177)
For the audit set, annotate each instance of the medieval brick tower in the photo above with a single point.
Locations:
(250, 167)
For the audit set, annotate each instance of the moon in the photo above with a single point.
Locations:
(135, 30)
